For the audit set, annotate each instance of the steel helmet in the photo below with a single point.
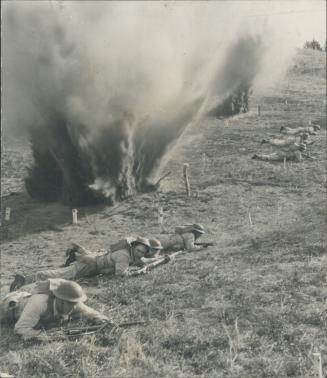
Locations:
(141, 240)
(69, 291)
(198, 228)
(155, 244)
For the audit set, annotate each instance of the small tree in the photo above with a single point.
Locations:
(314, 45)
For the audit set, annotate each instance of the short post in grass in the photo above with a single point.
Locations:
(74, 212)
(160, 219)
(259, 110)
(250, 219)
(285, 162)
(318, 364)
(186, 180)
(7, 214)
(204, 163)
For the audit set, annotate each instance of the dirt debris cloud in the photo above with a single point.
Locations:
(104, 89)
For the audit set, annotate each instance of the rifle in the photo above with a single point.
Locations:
(205, 244)
(91, 329)
(154, 264)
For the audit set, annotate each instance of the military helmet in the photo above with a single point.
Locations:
(316, 127)
(198, 228)
(155, 244)
(69, 291)
(141, 240)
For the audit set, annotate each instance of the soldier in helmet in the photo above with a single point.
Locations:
(53, 301)
(154, 251)
(295, 156)
(116, 261)
(183, 238)
(155, 248)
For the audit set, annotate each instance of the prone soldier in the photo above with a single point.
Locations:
(184, 237)
(53, 301)
(311, 130)
(295, 156)
(116, 261)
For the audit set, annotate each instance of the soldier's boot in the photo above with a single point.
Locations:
(71, 258)
(18, 282)
(71, 253)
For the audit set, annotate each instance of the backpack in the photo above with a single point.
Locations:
(184, 229)
(122, 244)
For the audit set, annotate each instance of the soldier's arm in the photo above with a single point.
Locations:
(189, 243)
(82, 311)
(121, 260)
(35, 307)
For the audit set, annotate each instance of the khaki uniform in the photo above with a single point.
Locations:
(35, 311)
(112, 263)
(288, 142)
(280, 156)
(179, 241)
(298, 130)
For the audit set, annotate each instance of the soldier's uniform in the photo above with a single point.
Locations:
(31, 311)
(88, 264)
(311, 130)
(183, 238)
(295, 156)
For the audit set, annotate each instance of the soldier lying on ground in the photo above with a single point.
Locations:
(115, 262)
(52, 301)
(289, 142)
(311, 130)
(183, 238)
(295, 156)
(154, 251)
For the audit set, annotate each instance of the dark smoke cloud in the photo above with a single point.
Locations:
(105, 88)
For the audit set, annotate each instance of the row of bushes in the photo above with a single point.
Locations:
(315, 45)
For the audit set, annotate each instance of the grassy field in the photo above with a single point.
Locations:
(252, 306)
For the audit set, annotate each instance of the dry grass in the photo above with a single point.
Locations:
(252, 306)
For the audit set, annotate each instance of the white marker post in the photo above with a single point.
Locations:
(186, 180)
(204, 163)
(7, 214)
(160, 219)
(74, 212)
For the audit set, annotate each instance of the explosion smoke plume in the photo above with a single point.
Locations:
(105, 89)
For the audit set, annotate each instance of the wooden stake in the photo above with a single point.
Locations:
(204, 163)
(7, 214)
(259, 110)
(186, 180)
(160, 219)
(284, 162)
(74, 211)
(250, 219)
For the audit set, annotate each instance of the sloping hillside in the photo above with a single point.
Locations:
(252, 306)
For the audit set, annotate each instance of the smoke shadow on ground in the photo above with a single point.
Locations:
(29, 216)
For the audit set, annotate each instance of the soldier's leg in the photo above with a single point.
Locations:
(68, 273)
(270, 157)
